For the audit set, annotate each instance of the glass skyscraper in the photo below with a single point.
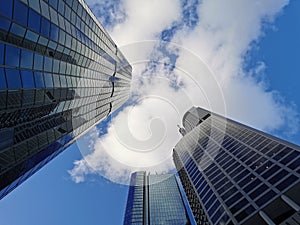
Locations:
(234, 174)
(60, 74)
(155, 200)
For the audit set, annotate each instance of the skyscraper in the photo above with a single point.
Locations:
(155, 200)
(234, 174)
(60, 74)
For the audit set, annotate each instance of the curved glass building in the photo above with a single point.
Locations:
(234, 174)
(60, 74)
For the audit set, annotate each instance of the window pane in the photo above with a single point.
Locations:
(6, 8)
(13, 78)
(45, 28)
(39, 80)
(2, 79)
(1, 53)
(45, 9)
(4, 23)
(12, 55)
(17, 30)
(26, 59)
(38, 61)
(20, 13)
(48, 80)
(54, 32)
(53, 3)
(34, 20)
(47, 64)
(31, 36)
(63, 81)
(35, 5)
(27, 79)
(56, 80)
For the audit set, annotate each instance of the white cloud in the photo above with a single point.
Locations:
(203, 66)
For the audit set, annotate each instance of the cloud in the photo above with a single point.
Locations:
(202, 64)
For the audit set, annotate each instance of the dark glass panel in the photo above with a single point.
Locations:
(4, 23)
(278, 176)
(6, 8)
(241, 204)
(45, 27)
(286, 182)
(233, 199)
(246, 180)
(229, 193)
(12, 56)
(27, 79)
(13, 78)
(252, 185)
(295, 164)
(242, 215)
(258, 191)
(264, 198)
(270, 171)
(2, 78)
(1, 53)
(20, 12)
(290, 157)
(34, 20)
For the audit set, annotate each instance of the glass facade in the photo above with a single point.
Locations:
(234, 174)
(60, 74)
(155, 200)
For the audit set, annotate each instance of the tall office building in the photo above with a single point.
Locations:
(155, 200)
(60, 74)
(234, 174)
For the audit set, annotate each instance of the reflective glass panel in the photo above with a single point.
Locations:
(39, 80)
(27, 79)
(4, 23)
(6, 8)
(38, 61)
(12, 56)
(2, 79)
(45, 27)
(17, 30)
(13, 78)
(1, 53)
(34, 20)
(26, 59)
(48, 80)
(20, 12)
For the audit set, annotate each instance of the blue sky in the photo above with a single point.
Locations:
(52, 197)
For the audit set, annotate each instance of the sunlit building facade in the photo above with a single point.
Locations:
(234, 174)
(155, 200)
(60, 74)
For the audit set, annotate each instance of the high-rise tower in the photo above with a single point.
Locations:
(156, 199)
(234, 174)
(60, 74)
